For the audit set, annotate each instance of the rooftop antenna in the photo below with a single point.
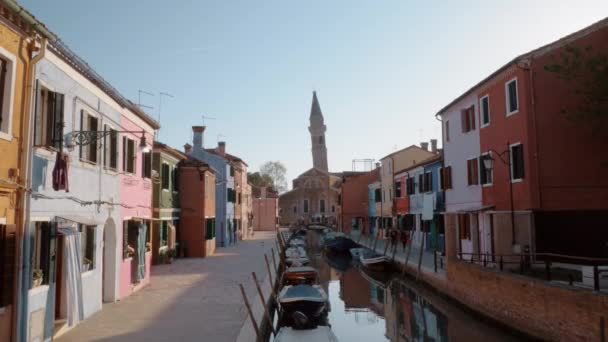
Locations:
(207, 117)
(160, 104)
(139, 92)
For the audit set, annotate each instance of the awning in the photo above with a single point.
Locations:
(87, 221)
(476, 209)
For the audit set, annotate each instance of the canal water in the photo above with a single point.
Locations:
(367, 306)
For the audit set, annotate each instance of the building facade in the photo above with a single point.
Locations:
(314, 196)
(16, 61)
(197, 229)
(165, 235)
(355, 201)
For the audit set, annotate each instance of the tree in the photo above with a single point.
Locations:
(277, 172)
(259, 180)
(587, 73)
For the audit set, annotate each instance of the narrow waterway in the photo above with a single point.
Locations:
(367, 306)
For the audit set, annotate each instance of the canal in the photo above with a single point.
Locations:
(366, 306)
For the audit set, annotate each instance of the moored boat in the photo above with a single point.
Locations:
(316, 227)
(302, 306)
(319, 334)
(372, 259)
(300, 275)
(340, 244)
(356, 252)
(296, 255)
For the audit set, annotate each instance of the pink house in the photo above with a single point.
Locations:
(135, 165)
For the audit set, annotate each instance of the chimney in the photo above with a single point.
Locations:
(187, 148)
(434, 146)
(424, 146)
(221, 147)
(377, 165)
(197, 137)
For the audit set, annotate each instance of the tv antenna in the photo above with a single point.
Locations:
(207, 117)
(139, 92)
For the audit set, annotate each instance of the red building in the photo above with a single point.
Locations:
(546, 185)
(197, 219)
(355, 200)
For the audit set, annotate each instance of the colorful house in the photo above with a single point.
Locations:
(355, 200)
(374, 200)
(527, 174)
(80, 194)
(165, 233)
(16, 62)
(198, 208)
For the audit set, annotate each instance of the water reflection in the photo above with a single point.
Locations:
(372, 306)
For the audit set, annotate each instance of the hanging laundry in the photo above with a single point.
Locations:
(60, 172)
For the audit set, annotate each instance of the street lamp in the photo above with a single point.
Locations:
(505, 158)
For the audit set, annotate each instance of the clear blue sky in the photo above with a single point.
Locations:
(382, 69)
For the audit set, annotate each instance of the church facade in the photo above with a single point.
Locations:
(315, 193)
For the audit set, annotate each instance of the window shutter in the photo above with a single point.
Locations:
(474, 164)
(52, 252)
(58, 122)
(125, 238)
(448, 177)
(463, 121)
(421, 183)
(472, 117)
(106, 149)
(8, 244)
(124, 154)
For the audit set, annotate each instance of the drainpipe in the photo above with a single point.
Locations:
(29, 112)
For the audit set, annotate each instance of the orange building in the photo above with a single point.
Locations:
(197, 219)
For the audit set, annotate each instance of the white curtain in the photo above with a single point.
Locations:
(72, 275)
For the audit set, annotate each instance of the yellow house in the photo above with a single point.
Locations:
(391, 164)
(16, 49)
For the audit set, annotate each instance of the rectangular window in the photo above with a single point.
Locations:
(305, 206)
(484, 107)
(377, 195)
(516, 155)
(165, 176)
(49, 123)
(239, 198)
(440, 178)
(88, 123)
(472, 172)
(428, 182)
(398, 189)
(295, 209)
(6, 92)
(467, 117)
(511, 97)
(333, 208)
(8, 261)
(322, 205)
(87, 245)
(209, 228)
(43, 252)
(409, 186)
(128, 155)
(175, 179)
(446, 177)
(447, 130)
(486, 175)
(146, 165)
(110, 144)
(231, 171)
(420, 183)
(164, 234)
(464, 227)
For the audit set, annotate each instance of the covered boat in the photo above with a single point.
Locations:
(372, 259)
(297, 242)
(296, 255)
(300, 275)
(340, 244)
(319, 334)
(302, 306)
(355, 252)
(317, 227)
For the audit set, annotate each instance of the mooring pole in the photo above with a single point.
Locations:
(255, 325)
(264, 304)
(269, 273)
(274, 260)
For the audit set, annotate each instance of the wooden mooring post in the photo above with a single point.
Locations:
(264, 304)
(255, 325)
(269, 272)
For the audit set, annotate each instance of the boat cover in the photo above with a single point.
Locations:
(300, 269)
(296, 293)
(320, 334)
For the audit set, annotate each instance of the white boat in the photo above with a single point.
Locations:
(320, 334)
(297, 242)
(296, 256)
(371, 259)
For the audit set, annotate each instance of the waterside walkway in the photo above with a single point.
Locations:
(191, 299)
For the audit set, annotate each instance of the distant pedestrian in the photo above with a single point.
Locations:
(404, 238)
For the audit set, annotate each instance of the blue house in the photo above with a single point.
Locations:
(436, 234)
(224, 183)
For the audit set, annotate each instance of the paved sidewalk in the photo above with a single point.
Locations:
(189, 300)
(428, 259)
